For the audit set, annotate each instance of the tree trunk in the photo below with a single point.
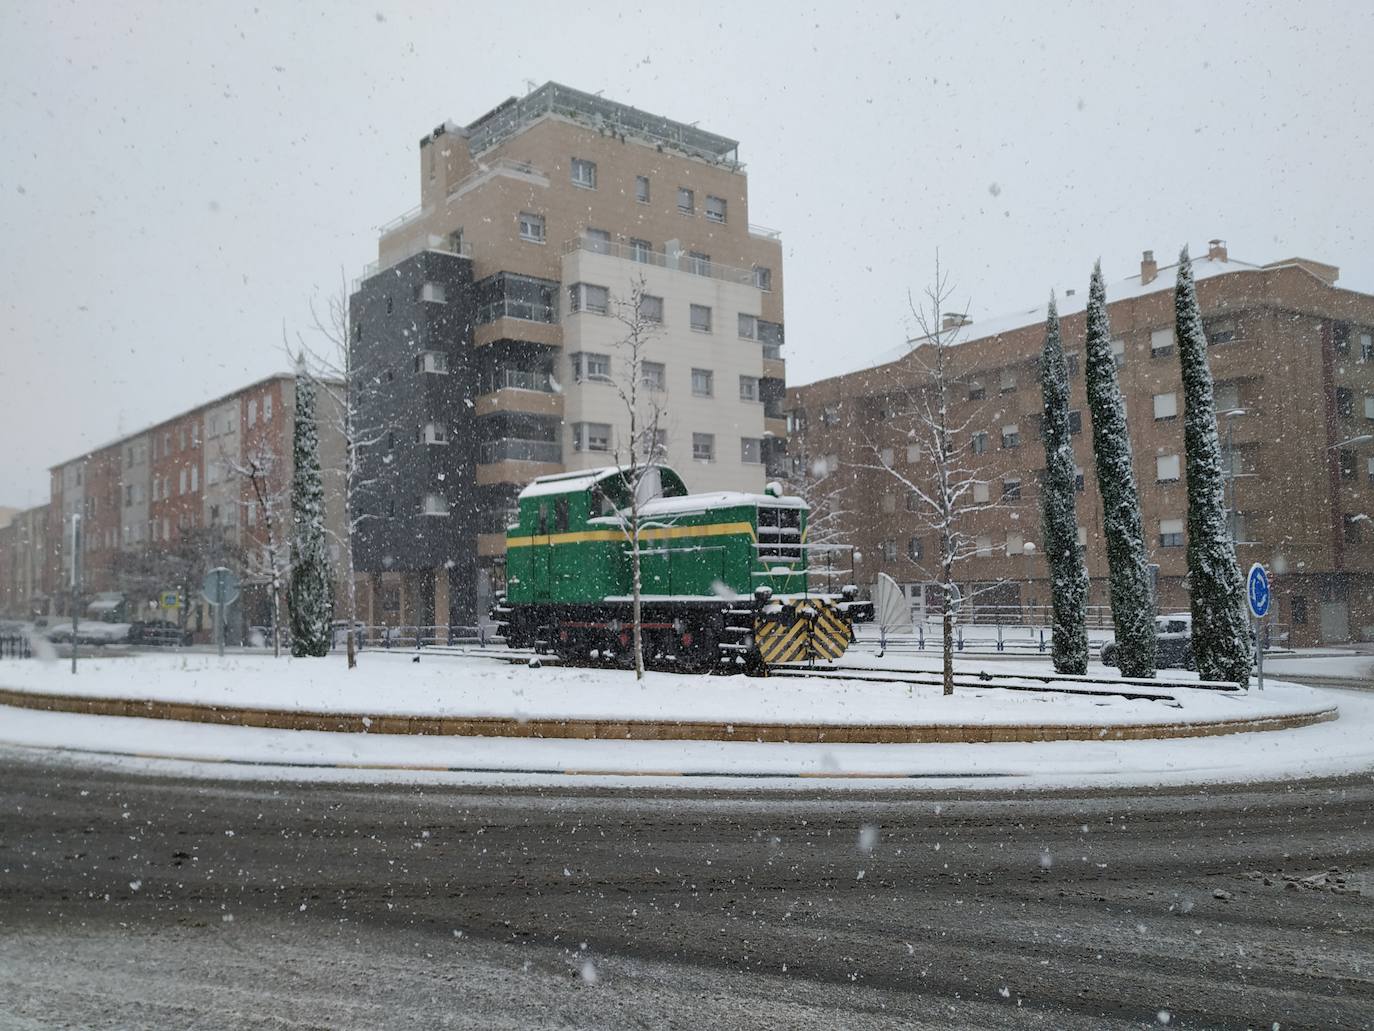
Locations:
(949, 645)
(638, 633)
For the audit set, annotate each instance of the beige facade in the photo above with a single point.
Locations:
(1292, 356)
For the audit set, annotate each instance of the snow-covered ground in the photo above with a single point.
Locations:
(390, 683)
(453, 686)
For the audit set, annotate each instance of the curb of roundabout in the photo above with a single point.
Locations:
(657, 730)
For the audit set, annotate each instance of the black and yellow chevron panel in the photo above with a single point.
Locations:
(800, 630)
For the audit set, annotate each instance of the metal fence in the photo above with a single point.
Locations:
(385, 636)
(15, 646)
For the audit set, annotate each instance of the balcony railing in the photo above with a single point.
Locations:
(434, 243)
(517, 379)
(681, 260)
(514, 450)
(765, 232)
(499, 166)
(510, 308)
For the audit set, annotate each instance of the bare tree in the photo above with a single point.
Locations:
(639, 453)
(944, 484)
(346, 382)
(261, 467)
(829, 520)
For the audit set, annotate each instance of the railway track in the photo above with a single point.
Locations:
(927, 679)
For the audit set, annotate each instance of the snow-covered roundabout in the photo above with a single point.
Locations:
(476, 719)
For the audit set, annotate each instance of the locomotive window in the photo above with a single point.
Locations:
(560, 515)
(543, 517)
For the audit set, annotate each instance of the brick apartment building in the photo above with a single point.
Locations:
(151, 490)
(1292, 357)
(489, 321)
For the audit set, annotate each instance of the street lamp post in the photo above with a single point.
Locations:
(76, 578)
(1028, 549)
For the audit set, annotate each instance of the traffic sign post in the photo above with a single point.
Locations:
(1258, 597)
(221, 588)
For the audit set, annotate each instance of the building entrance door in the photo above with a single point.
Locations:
(1335, 621)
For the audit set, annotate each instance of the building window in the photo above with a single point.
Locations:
(886, 456)
(1369, 468)
(830, 416)
(591, 436)
(976, 391)
(650, 308)
(1011, 489)
(1118, 352)
(1167, 468)
(763, 278)
(701, 318)
(267, 408)
(1345, 402)
(699, 263)
(913, 453)
(913, 501)
(748, 326)
(253, 413)
(584, 173)
(979, 443)
(641, 251)
(531, 227)
(915, 549)
(750, 450)
(1351, 523)
(1079, 483)
(983, 547)
(1221, 332)
(1225, 396)
(1016, 544)
(704, 447)
(598, 241)
(703, 384)
(1166, 406)
(981, 495)
(434, 505)
(642, 189)
(1011, 436)
(1367, 347)
(1171, 533)
(1298, 610)
(435, 362)
(587, 365)
(1076, 421)
(1071, 361)
(435, 292)
(1369, 406)
(1347, 463)
(435, 433)
(748, 388)
(1008, 381)
(588, 297)
(686, 200)
(1162, 342)
(715, 209)
(1340, 336)
(1082, 536)
(653, 375)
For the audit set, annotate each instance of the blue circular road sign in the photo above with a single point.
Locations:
(1257, 591)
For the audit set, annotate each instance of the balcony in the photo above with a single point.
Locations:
(513, 449)
(550, 334)
(519, 399)
(680, 260)
(439, 244)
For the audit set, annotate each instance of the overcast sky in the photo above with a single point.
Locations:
(178, 180)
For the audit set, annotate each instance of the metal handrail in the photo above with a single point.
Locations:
(681, 260)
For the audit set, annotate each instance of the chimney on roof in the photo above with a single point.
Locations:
(1149, 268)
(955, 319)
(1069, 292)
(1216, 250)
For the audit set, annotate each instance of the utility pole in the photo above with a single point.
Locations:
(76, 579)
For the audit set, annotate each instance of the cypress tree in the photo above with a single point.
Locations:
(1059, 520)
(310, 593)
(1221, 636)
(1128, 571)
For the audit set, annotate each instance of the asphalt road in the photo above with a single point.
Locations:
(135, 902)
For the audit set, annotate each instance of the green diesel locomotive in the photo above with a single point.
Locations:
(723, 576)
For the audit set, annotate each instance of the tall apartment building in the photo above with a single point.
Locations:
(487, 327)
(1292, 356)
(148, 490)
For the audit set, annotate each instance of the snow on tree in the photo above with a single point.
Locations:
(826, 492)
(348, 380)
(1221, 634)
(1059, 518)
(1127, 564)
(271, 500)
(310, 596)
(944, 485)
(639, 454)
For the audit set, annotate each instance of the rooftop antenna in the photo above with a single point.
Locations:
(529, 86)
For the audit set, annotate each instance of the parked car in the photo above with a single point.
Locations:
(89, 631)
(1173, 643)
(158, 633)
